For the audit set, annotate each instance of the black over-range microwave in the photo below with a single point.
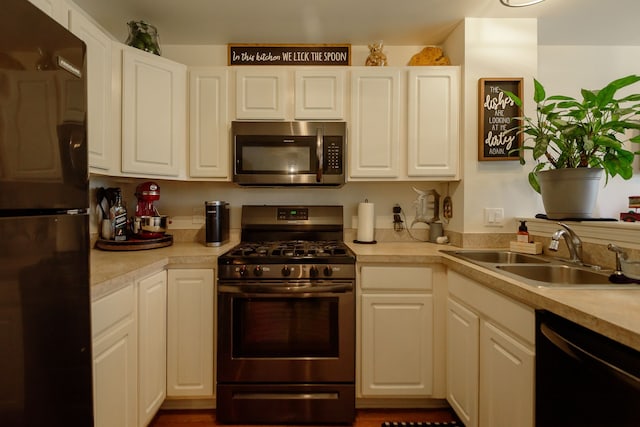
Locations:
(289, 153)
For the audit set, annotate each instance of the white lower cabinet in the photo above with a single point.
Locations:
(396, 331)
(152, 339)
(115, 344)
(152, 345)
(506, 379)
(490, 356)
(463, 358)
(190, 333)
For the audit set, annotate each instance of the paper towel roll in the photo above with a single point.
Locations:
(366, 219)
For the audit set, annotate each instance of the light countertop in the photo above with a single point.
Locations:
(111, 270)
(614, 313)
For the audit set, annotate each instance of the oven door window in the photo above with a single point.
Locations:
(275, 155)
(285, 327)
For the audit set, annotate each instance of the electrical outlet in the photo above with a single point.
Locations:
(494, 217)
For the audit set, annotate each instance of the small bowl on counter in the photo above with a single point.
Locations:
(150, 227)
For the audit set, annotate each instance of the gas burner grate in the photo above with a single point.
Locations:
(291, 249)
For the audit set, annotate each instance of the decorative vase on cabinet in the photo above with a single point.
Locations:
(143, 36)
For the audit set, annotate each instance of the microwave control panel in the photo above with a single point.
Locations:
(333, 155)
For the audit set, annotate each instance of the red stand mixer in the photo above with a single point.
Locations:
(148, 223)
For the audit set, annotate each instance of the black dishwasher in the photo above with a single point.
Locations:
(583, 378)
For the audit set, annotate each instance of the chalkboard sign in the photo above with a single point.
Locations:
(497, 137)
(286, 54)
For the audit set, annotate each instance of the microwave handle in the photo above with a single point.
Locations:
(319, 152)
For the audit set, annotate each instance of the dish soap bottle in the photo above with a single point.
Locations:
(523, 233)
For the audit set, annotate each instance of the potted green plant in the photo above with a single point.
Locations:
(570, 139)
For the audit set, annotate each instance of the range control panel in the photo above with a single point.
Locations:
(293, 214)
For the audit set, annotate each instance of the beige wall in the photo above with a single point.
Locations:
(494, 48)
(184, 200)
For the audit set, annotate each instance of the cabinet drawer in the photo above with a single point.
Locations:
(112, 309)
(396, 278)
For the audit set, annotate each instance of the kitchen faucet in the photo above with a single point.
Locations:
(574, 244)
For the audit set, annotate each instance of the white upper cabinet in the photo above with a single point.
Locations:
(208, 124)
(261, 93)
(153, 115)
(290, 93)
(319, 94)
(433, 133)
(99, 51)
(374, 141)
(57, 9)
(404, 124)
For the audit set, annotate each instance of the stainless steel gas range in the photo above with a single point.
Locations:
(286, 319)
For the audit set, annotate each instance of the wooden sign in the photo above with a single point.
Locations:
(286, 54)
(498, 138)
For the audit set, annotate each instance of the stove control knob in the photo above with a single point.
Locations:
(313, 271)
(286, 271)
(328, 271)
(243, 271)
(257, 271)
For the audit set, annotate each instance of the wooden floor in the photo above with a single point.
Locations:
(364, 417)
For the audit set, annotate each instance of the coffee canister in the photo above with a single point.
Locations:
(217, 222)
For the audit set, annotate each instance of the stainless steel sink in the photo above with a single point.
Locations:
(541, 271)
(558, 275)
(496, 257)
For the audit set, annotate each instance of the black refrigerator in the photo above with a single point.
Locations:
(45, 330)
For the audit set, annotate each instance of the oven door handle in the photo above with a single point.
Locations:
(319, 153)
(283, 289)
(577, 352)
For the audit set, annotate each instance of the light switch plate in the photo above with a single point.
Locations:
(494, 217)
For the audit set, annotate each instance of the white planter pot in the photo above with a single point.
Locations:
(569, 193)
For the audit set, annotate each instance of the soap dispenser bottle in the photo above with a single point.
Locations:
(523, 233)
